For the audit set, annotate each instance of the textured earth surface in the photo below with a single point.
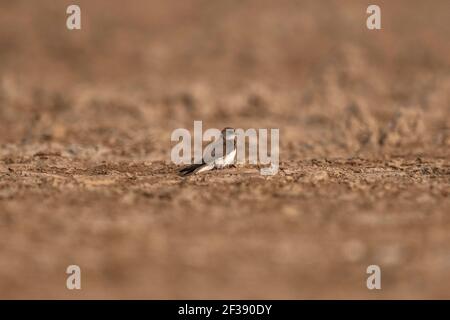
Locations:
(85, 171)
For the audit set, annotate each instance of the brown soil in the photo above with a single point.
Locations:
(85, 171)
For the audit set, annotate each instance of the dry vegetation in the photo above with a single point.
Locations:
(85, 123)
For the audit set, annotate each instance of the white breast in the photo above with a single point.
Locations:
(227, 160)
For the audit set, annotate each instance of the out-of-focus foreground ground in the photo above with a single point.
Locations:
(86, 178)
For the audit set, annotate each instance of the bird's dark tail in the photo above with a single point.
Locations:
(186, 171)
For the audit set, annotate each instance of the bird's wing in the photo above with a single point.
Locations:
(217, 150)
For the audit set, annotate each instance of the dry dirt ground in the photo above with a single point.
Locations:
(85, 171)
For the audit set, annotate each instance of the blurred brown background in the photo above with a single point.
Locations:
(85, 124)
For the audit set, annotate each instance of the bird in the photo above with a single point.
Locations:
(227, 136)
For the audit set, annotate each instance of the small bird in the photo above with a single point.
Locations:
(228, 136)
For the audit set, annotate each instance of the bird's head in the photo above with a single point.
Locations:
(228, 133)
